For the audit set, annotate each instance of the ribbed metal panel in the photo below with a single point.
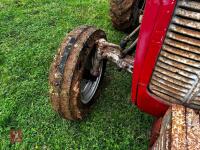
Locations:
(176, 77)
(179, 130)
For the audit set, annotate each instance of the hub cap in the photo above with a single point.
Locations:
(89, 83)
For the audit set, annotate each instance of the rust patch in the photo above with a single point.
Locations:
(182, 46)
(180, 130)
(188, 13)
(185, 31)
(186, 22)
(193, 129)
(189, 4)
(163, 142)
(155, 131)
(183, 39)
(113, 53)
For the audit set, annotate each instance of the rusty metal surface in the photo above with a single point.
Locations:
(188, 13)
(65, 72)
(155, 131)
(180, 130)
(186, 22)
(185, 128)
(163, 142)
(193, 129)
(185, 31)
(184, 39)
(189, 4)
(176, 77)
(178, 135)
(113, 53)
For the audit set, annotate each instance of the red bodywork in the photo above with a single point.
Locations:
(156, 19)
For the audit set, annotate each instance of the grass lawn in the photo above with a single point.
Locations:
(30, 32)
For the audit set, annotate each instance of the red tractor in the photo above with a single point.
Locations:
(163, 55)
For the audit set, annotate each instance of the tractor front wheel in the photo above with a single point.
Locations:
(73, 88)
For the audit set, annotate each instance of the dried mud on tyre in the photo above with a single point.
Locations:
(67, 69)
(121, 12)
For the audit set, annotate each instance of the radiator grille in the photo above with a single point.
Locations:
(176, 77)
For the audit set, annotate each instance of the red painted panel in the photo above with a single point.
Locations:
(157, 16)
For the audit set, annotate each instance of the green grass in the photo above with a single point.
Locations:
(30, 32)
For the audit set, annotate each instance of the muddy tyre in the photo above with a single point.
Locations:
(124, 13)
(72, 88)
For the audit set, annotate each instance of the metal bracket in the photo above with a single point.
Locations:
(112, 52)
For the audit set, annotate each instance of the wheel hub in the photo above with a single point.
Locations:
(90, 85)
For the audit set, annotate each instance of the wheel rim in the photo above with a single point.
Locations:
(89, 86)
